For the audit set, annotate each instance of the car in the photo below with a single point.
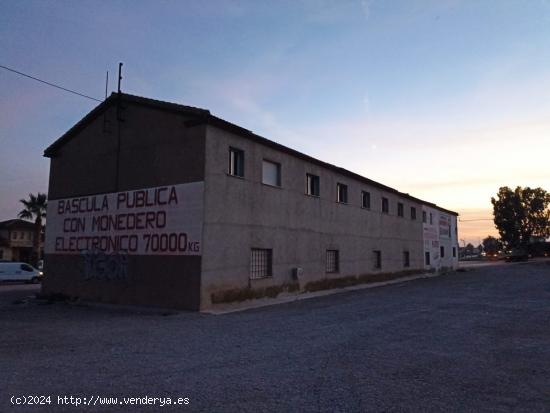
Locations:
(517, 255)
(19, 271)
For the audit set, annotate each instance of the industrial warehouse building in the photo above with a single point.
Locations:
(155, 203)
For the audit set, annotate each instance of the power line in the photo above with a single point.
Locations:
(50, 84)
(471, 220)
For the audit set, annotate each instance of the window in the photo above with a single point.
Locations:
(332, 264)
(406, 259)
(260, 263)
(377, 259)
(424, 218)
(236, 162)
(1, 254)
(442, 251)
(427, 258)
(385, 205)
(454, 252)
(431, 219)
(312, 185)
(26, 267)
(413, 213)
(14, 235)
(400, 209)
(365, 199)
(271, 173)
(341, 193)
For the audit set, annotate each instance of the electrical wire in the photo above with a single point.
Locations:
(50, 84)
(472, 220)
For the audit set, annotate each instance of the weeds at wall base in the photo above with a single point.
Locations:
(342, 282)
(248, 293)
(243, 294)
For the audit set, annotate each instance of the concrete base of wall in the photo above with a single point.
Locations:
(155, 281)
(287, 297)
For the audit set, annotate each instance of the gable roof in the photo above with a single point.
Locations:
(203, 116)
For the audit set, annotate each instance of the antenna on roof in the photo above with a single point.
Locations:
(119, 75)
(106, 84)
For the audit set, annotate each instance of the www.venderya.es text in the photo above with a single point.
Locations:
(96, 400)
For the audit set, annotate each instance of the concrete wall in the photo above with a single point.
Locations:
(155, 149)
(241, 214)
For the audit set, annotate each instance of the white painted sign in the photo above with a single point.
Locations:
(165, 220)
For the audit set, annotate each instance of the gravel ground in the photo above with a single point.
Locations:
(472, 341)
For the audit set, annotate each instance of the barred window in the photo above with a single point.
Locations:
(332, 264)
(261, 263)
(406, 259)
(377, 259)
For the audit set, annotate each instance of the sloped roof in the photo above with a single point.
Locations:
(16, 224)
(203, 116)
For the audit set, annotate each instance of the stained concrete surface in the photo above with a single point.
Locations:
(467, 341)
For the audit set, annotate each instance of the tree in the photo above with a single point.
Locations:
(35, 209)
(491, 245)
(521, 214)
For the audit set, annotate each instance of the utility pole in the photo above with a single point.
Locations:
(119, 76)
(106, 84)
(119, 123)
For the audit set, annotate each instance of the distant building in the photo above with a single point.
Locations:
(162, 204)
(16, 240)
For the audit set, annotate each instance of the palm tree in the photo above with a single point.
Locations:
(35, 209)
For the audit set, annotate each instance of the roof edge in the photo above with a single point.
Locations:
(231, 127)
(203, 116)
(51, 150)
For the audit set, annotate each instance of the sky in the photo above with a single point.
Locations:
(446, 100)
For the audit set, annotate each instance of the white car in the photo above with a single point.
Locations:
(19, 271)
